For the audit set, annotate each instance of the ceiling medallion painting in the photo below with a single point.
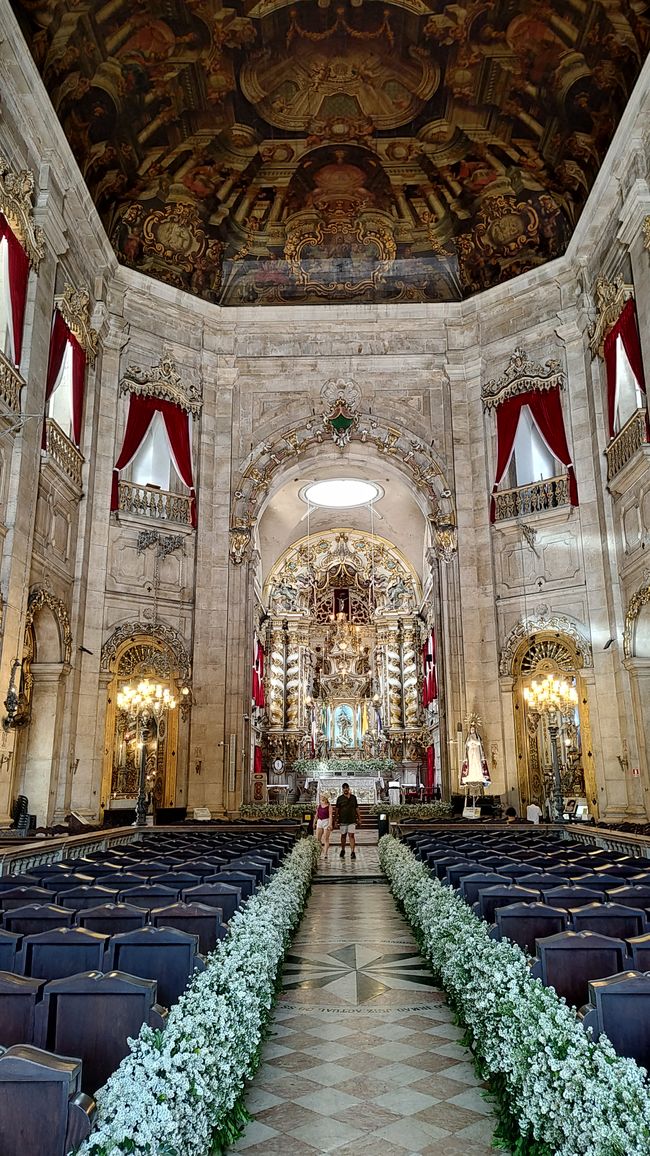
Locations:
(271, 152)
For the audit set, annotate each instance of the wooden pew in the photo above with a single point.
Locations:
(164, 954)
(112, 918)
(36, 917)
(42, 1109)
(93, 1015)
(569, 960)
(61, 952)
(18, 999)
(195, 919)
(619, 1006)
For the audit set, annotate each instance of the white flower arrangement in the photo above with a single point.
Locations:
(568, 1095)
(177, 1092)
(400, 812)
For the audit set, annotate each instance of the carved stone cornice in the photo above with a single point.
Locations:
(610, 298)
(521, 375)
(38, 598)
(163, 380)
(646, 232)
(74, 306)
(159, 632)
(542, 621)
(638, 600)
(16, 191)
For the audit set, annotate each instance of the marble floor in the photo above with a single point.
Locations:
(363, 1057)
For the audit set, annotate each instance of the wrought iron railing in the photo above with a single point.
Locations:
(148, 502)
(10, 385)
(547, 494)
(623, 447)
(63, 452)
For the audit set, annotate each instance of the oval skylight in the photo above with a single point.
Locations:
(341, 493)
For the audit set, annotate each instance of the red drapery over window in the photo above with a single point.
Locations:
(60, 338)
(258, 673)
(546, 410)
(18, 276)
(626, 328)
(177, 425)
(429, 680)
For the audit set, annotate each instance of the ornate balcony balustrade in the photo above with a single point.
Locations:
(547, 494)
(623, 447)
(149, 502)
(10, 385)
(63, 452)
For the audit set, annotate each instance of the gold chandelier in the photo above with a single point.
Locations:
(145, 697)
(552, 695)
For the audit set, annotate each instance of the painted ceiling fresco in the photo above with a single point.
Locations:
(318, 151)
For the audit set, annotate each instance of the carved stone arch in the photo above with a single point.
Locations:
(558, 628)
(162, 639)
(39, 598)
(344, 422)
(635, 608)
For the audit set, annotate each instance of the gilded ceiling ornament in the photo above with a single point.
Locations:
(638, 600)
(143, 634)
(40, 597)
(16, 193)
(240, 537)
(558, 630)
(521, 375)
(74, 306)
(163, 380)
(610, 298)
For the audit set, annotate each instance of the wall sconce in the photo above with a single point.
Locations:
(16, 705)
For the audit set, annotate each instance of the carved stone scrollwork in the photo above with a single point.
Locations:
(163, 380)
(40, 597)
(16, 192)
(542, 621)
(521, 375)
(341, 417)
(159, 632)
(635, 605)
(74, 306)
(445, 539)
(610, 297)
(240, 537)
(646, 232)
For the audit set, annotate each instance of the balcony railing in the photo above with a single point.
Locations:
(633, 435)
(10, 385)
(547, 494)
(148, 502)
(63, 452)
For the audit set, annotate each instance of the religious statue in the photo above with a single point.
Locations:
(344, 727)
(474, 770)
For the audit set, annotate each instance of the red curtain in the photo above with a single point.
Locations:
(429, 680)
(78, 384)
(258, 673)
(141, 412)
(58, 341)
(430, 770)
(18, 276)
(257, 761)
(546, 410)
(626, 328)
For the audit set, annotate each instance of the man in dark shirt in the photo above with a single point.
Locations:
(347, 811)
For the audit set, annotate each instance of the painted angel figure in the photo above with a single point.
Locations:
(475, 767)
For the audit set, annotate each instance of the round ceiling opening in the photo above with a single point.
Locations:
(341, 493)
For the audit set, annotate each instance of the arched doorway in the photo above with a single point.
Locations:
(134, 654)
(540, 654)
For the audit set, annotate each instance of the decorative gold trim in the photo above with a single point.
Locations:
(520, 376)
(646, 232)
(163, 380)
(610, 298)
(240, 537)
(39, 597)
(163, 636)
(16, 191)
(634, 606)
(74, 306)
(445, 538)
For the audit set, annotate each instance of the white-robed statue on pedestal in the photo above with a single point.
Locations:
(475, 770)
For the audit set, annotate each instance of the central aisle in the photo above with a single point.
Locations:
(363, 1057)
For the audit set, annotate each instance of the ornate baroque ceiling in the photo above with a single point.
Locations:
(324, 151)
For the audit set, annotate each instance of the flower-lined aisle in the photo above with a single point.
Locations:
(178, 1093)
(558, 1093)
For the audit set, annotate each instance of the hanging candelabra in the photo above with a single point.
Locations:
(553, 699)
(143, 702)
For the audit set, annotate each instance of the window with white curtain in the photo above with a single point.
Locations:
(60, 404)
(532, 461)
(629, 397)
(6, 327)
(152, 464)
